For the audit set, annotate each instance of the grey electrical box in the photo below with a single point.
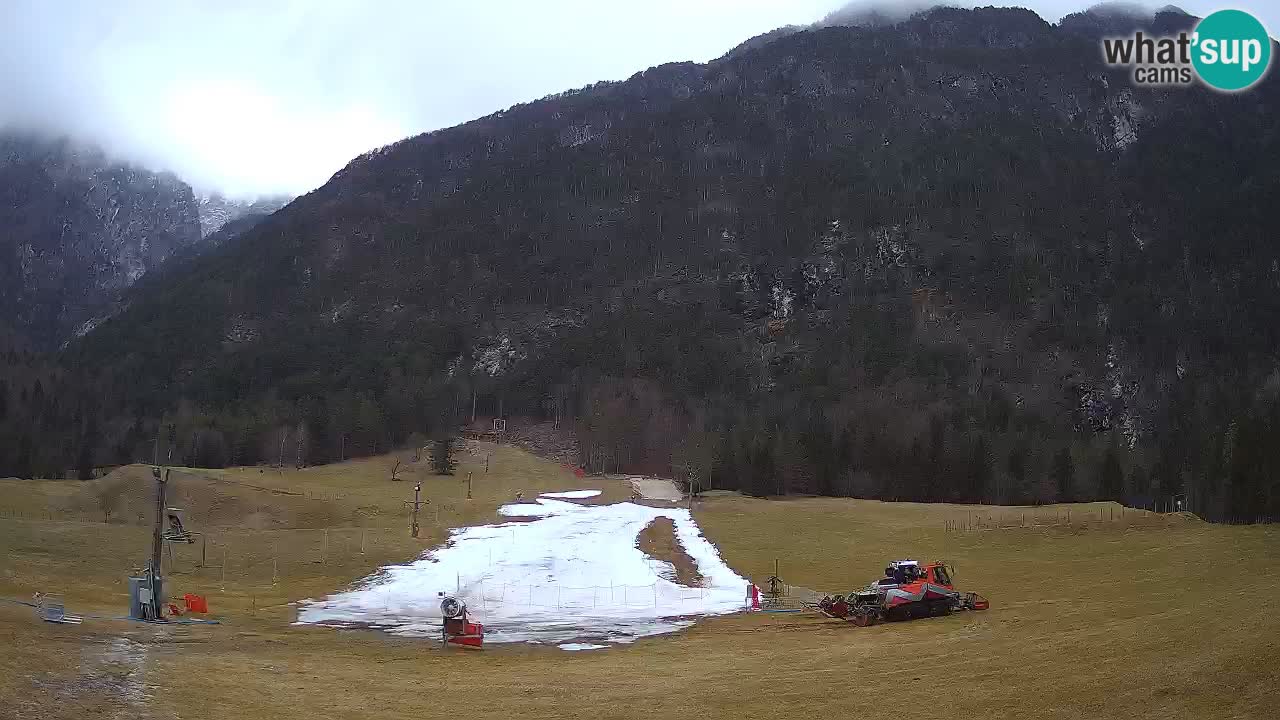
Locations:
(140, 598)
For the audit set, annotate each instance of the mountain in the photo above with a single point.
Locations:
(1119, 19)
(216, 210)
(948, 258)
(77, 227)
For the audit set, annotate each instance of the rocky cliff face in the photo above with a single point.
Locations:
(76, 227)
(217, 210)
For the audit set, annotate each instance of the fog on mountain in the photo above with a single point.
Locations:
(939, 256)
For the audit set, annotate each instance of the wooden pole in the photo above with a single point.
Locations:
(417, 489)
(157, 540)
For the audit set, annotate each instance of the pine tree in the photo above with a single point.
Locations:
(1110, 476)
(979, 470)
(1137, 483)
(1018, 473)
(1064, 475)
(442, 462)
(24, 461)
(84, 456)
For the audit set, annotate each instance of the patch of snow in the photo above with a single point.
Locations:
(573, 647)
(1124, 129)
(89, 325)
(497, 357)
(571, 494)
(576, 574)
(524, 510)
(340, 311)
(26, 260)
(782, 299)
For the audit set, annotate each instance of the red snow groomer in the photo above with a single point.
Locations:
(908, 590)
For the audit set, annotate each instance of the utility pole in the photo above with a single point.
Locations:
(301, 435)
(157, 542)
(468, 485)
(417, 488)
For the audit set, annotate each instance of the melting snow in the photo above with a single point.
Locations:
(572, 494)
(573, 574)
(524, 510)
(572, 647)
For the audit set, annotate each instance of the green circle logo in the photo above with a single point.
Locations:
(1231, 50)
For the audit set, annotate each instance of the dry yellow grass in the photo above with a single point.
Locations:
(1162, 619)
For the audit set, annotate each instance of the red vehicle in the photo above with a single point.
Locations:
(908, 590)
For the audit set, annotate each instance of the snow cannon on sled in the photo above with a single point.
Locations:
(457, 630)
(907, 591)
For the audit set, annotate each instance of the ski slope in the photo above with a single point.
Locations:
(564, 573)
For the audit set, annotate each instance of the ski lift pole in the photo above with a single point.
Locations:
(417, 488)
(157, 540)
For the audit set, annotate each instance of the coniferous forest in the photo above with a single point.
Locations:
(952, 259)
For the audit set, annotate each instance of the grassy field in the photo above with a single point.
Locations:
(1135, 616)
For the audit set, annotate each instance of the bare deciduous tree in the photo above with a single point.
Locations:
(108, 493)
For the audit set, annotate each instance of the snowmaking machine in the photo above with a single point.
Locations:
(457, 628)
(908, 590)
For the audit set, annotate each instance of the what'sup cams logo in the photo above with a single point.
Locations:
(1229, 51)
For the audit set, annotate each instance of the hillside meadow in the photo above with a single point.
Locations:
(1118, 614)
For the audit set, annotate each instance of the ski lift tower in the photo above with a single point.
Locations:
(146, 592)
(154, 574)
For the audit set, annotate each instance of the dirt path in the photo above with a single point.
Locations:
(658, 540)
(656, 489)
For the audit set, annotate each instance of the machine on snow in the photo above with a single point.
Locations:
(457, 628)
(908, 590)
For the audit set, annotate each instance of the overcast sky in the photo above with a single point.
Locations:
(269, 96)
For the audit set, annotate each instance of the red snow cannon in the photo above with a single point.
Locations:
(457, 629)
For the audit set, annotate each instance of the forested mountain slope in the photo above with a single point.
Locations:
(953, 258)
(77, 227)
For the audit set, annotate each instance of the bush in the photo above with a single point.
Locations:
(442, 462)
